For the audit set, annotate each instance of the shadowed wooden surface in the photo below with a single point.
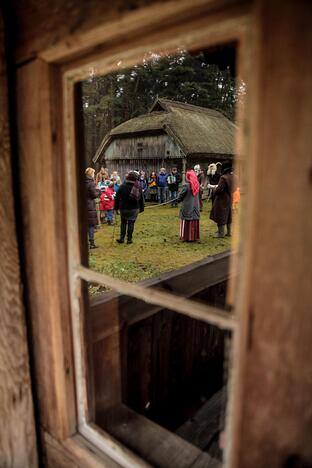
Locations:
(42, 186)
(17, 429)
(158, 446)
(276, 410)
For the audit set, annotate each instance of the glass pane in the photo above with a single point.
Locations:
(143, 128)
(159, 380)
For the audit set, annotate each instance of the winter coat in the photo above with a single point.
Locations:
(190, 204)
(107, 199)
(173, 182)
(152, 185)
(123, 201)
(221, 212)
(143, 184)
(162, 180)
(92, 193)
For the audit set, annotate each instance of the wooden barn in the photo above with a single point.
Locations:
(171, 133)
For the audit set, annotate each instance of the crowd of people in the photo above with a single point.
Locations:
(107, 194)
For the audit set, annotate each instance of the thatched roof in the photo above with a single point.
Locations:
(197, 130)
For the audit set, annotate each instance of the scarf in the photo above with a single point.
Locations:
(192, 179)
(135, 193)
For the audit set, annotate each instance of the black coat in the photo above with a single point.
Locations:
(221, 212)
(123, 201)
(214, 178)
(92, 193)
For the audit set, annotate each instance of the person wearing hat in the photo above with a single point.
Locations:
(221, 212)
(130, 202)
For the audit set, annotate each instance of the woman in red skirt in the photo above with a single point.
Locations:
(190, 212)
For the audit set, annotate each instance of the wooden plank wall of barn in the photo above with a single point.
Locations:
(148, 153)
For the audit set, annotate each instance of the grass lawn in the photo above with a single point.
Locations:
(156, 246)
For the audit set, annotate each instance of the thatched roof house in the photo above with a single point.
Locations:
(171, 133)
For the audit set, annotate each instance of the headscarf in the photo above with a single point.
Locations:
(191, 177)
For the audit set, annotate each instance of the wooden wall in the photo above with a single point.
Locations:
(148, 152)
(145, 147)
(17, 428)
(275, 403)
(172, 365)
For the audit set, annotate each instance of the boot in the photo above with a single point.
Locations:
(130, 231)
(220, 231)
(92, 245)
(228, 230)
(123, 229)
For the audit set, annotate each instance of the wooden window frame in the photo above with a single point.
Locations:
(54, 271)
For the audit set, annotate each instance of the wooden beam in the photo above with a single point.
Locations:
(210, 314)
(111, 311)
(72, 28)
(75, 452)
(156, 445)
(43, 209)
(273, 411)
(17, 428)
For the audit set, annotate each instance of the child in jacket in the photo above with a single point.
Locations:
(107, 203)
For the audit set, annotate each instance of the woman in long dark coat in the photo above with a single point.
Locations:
(221, 212)
(190, 210)
(130, 201)
(92, 193)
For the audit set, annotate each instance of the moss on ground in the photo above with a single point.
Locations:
(156, 246)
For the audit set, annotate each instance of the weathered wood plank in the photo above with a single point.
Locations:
(75, 452)
(155, 444)
(206, 423)
(111, 311)
(70, 28)
(276, 379)
(107, 372)
(17, 427)
(43, 209)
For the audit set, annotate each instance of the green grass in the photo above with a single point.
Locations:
(156, 246)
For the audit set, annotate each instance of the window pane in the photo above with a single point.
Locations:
(157, 120)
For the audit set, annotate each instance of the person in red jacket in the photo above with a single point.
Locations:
(107, 203)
